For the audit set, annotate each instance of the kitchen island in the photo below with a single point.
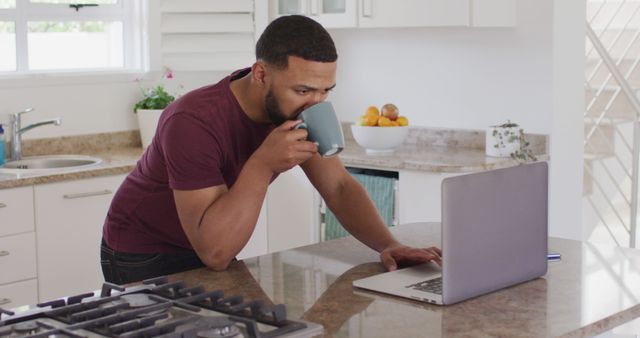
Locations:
(592, 289)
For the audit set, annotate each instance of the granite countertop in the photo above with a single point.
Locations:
(592, 289)
(426, 149)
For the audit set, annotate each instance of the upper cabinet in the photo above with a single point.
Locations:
(330, 13)
(493, 13)
(403, 13)
(413, 13)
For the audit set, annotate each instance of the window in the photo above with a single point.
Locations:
(69, 35)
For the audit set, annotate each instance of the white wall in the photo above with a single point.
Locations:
(567, 127)
(86, 105)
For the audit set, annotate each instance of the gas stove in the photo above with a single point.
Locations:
(156, 308)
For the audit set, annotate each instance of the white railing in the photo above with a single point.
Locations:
(619, 169)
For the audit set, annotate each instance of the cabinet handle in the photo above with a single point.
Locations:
(367, 8)
(4, 253)
(87, 194)
(314, 7)
(4, 301)
(2, 205)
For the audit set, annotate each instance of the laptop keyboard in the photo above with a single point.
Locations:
(431, 285)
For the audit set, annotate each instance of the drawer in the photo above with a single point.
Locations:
(19, 294)
(16, 210)
(18, 257)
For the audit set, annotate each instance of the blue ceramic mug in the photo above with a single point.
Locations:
(324, 129)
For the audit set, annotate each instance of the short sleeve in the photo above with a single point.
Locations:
(193, 155)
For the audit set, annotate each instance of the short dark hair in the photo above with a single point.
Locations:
(295, 35)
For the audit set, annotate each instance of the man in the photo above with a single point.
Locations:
(195, 195)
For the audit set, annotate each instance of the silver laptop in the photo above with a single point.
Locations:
(494, 235)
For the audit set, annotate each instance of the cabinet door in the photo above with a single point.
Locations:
(16, 210)
(258, 244)
(69, 218)
(17, 258)
(279, 8)
(329, 13)
(493, 13)
(413, 13)
(334, 13)
(18, 294)
(293, 211)
(419, 196)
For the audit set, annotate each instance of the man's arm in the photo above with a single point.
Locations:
(351, 204)
(219, 221)
(349, 201)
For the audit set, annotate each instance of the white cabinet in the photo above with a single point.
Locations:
(18, 294)
(17, 258)
(17, 248)
(404, 13)
(16, 210)
(493, 13)
(413, 13)
(293, 211)
(419, 196)
(69, 218)
(329, 13)
(258, 243)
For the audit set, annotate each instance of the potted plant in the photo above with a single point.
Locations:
(148, 110)
(508, 140)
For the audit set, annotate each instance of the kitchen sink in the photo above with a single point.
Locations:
(49, 163)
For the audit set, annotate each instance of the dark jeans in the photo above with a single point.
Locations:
(123, 268)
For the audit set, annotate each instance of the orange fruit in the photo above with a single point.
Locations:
(372, 110)
(362, 121)
(384, 122)
(402, 121)
(371, 120)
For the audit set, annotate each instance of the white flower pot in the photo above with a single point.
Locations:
(148, 122)
(501, 141)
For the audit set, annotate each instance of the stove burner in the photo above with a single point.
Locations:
(153, 313)
(155, 309)
(218, 327)
(26, 327)
(136, 300)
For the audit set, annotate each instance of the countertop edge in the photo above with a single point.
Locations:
(64, 176)
(605, 324)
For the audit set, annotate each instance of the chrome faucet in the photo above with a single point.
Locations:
(17, 130)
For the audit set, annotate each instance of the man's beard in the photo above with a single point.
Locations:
(273, 109)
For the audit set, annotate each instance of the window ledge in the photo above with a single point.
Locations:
(72, 78)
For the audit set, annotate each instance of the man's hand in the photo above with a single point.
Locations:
(398, 254)
(285, 148)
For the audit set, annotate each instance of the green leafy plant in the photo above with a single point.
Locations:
(507, 135)
(523, 154)
(154, 98)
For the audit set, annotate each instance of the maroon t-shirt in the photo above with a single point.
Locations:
(203, 140)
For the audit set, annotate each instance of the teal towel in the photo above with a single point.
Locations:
(381, 191)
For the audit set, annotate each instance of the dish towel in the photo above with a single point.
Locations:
(381, 191)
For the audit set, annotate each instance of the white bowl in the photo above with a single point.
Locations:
(379, 139)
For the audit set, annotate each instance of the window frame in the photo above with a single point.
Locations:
(130, 12)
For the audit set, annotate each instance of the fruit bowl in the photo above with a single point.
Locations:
(379, 139)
